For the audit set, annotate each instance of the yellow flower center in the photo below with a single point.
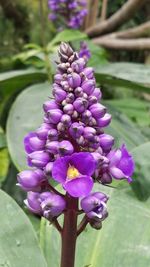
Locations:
(72, 172)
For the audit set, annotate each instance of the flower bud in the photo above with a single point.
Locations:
(53, 206)
(80, 104)
(97, 110)
(86, 115)
(97, 92)
(74, 80)
(48, 168)
(70, 98)
(66, 120)
(53, 135)
(68, 109)
(94, 205)
(30, 180)
(38, 159)
(66, 49)
(88, 72)
(42, 132)
(103, 122)
(106, 142)
(59, 94)
(97, 225)
(105, 178)
(76, 130)
(88, 86)
(78, 92)
(58, 78)
(52, 147)
(33, 202)
(54, 115)
(89, 133)
(65, 148)
(60, 127)
(48, 105)
(78, 65)
(92, 100)
(33, 143)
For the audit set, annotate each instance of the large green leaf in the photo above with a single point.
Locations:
(67, 36)
(137, 110)
(14, 81)
(123, 129)
(141, 184)
(122, 241)
(18, 241)
(129, 75)
(25, 115)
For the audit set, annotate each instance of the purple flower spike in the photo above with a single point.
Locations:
(33, 143)
(31, 180)
(121, 164)
(94, 206)
(74, 173)
(38, 159)
(53, 206)
(65, 148)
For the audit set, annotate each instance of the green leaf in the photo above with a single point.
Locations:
(14, 81)
(67, 36)
(122, 240)
(137, 110)
(141, 184)
(4, 164)
(123, 129)
(129, 75)
(25, 115)
(18, 241)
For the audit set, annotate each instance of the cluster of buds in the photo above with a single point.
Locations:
(71, 147)
(69, 13)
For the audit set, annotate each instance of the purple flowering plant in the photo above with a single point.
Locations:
(67, 13)
(71, 148)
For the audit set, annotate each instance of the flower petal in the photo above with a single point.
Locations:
(79, 187)
(126, 163)
(59, 170)
(83, 162)
(117, 173)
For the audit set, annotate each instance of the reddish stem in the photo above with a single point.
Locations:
(69, 233)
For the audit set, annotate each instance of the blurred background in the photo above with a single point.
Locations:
(117, 35)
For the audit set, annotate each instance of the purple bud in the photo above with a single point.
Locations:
(98, 158)
(38, 159)
(66, 120)
(33, 202)
(80, 104)
(94, 206)
(33, 143)
(92, 100)
(54, 115)
(48, 105)
(76, 130)
(53, 206)
(58, 78)
(30, 180)
(103, 122)
(86, 115)
(53, 135)
(48, 168)
(97, 110)
(97, 92)
(88, 72)
(60, 127)
(59, 94)
(68, 109)
(74, 80)
(88, 86)
(70, 98)
(89, 133)
(78, 65)
(106, 142)
(52, 147)
(105, 178)
(78, 91)
(42, 132)
(65, 148)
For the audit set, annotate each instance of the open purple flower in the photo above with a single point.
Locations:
(121, 164)
(74, 173)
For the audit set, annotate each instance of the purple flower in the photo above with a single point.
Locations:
(94, 206)
(84, 51)
(31, 180)
(74, 173)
